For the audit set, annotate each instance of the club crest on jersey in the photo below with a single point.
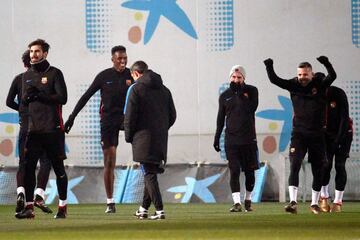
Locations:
(246, 95)
(292, 150)
(333, 104)
(314, 91)
(128, 82)
(44, 80)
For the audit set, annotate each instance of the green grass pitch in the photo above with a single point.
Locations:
(185, 221)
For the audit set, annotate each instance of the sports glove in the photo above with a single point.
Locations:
(32, 94)
(268, 62)
(69, 123)
(217, 145)
(323, 60)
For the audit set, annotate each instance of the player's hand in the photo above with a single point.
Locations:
(69, 123)
(217, 145)
(268, 62)
(32, 94)
(323, 59)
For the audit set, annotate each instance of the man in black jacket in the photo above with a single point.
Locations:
(308, 96)
(45, 165)
(339, 135)
(238, 105)
(44, 91)
(149, 113)
(113, 84)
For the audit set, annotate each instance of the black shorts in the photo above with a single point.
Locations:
(343, 151)
(314, 145)
(110, 133)
(244, 157)
(52, 144)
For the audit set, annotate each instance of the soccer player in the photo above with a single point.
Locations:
(238, 105)
(308, 96)
(15, 92)
(339, 135)
(44, 91)
(149, 113)
(113, 84)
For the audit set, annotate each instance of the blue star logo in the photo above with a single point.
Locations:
(52, 192)
(197, 187)
(157, 8)
(284, 115)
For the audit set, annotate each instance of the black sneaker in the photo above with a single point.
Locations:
(235, 208)
(110, 208)
(40, 203)
(20, 203)
(158, 216)
(62, 212)
(291, 208)
(248, 207)
(141, 214)
(315, 209)
(28, 212)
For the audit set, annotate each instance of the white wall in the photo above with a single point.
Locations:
(287, 31)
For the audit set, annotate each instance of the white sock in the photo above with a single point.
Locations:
(293, 193)
(29, 203)
(160, 212)
(325, 191)
(236, 197)
(248, 195)
(141, 209)
(62, 203)
(40, 192)
(110, 200)
(338, 196)
(315, 195)
(20, 190)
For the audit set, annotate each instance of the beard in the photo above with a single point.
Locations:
(304, 81)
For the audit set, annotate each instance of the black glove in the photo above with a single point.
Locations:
(69, 123)
(217, 145)
(323, 60)
(32, 94)
(268, 62)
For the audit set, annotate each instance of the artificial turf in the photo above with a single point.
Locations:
(185, 221)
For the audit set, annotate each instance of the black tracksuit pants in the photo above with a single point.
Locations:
(151, 189)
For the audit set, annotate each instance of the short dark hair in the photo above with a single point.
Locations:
(119, 48)
(44, 45)
(26, 58)
(139, 66)
(305, 65)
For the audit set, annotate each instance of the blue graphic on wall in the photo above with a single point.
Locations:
(91, 151)
(285, 115)
(355, 21)
(97, 25)
(166, 8)
(9, 118)
(52, 191)
(13, 118)
(222, 88)
(197, 187)
(220, 25)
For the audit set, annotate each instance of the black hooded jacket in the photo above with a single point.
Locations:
(149, 113)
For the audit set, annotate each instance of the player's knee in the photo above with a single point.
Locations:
(340, 166)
